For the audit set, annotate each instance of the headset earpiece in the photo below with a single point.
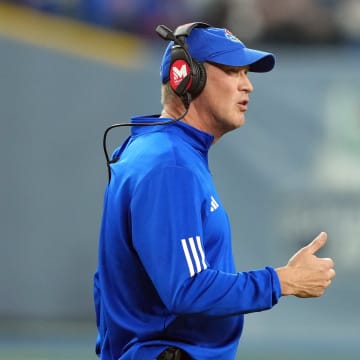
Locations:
(187, 76)
(199, 78)
(180, 75)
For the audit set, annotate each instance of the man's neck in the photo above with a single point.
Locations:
(192, 118)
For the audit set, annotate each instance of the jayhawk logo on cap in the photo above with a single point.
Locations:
(231, 36)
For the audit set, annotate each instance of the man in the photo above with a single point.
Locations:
(166, 285)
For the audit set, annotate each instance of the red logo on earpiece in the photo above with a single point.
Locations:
(179, 70)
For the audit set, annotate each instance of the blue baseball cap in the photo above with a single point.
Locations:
(220, 46)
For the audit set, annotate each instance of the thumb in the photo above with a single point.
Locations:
(317, 243)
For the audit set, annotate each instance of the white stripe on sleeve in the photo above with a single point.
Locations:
(188, 258)
(198, 241)
(195, 254)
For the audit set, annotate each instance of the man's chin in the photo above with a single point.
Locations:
(241, 122)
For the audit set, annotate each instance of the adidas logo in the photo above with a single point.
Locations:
(214, 205)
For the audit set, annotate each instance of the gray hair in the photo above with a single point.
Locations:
(167, 94)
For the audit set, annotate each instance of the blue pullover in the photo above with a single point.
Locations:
(166, 274)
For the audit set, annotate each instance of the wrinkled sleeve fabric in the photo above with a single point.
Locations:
(167, 210)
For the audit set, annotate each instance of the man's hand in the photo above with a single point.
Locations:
(307, 275)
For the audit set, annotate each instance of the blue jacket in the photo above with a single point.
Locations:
(166, 274)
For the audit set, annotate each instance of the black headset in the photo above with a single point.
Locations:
(187, 76)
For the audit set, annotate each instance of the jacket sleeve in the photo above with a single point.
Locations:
(165, 212)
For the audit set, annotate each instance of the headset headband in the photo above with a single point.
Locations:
(185, 30)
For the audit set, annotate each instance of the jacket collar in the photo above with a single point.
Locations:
(197, 138)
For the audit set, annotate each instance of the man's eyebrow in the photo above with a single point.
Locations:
(229, 67)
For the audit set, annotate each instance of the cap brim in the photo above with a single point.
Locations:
(258, 61)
